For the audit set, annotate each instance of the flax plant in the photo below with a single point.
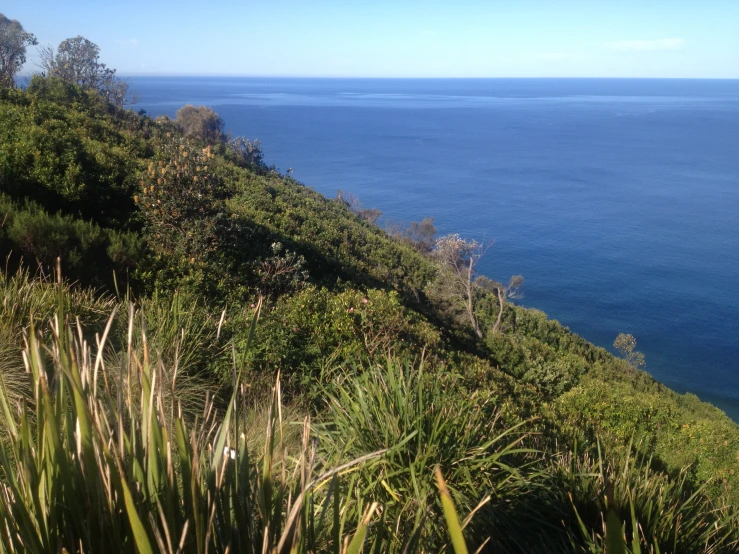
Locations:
(623, 504)
(87, 469)
(423, 424)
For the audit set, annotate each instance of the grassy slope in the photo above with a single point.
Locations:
(90, 158)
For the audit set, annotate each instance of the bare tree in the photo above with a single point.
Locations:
(13, 43)
(458, 260)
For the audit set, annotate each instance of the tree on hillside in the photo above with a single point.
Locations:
(458, 260)
(421, 234)
(76, 61)
(247, 151)
(200, 123)
(182, 202)
(626, 346)
(351, 201)
(13, 43)
(503, 293)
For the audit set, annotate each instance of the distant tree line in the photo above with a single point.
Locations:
(76, 61)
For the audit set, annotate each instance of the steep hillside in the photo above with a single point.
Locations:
(202, 236)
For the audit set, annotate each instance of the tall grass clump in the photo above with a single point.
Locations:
(89, 470)
(624, 497)
(178, 332)
(26, 298)
(424, 423)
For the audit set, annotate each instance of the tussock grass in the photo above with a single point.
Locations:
(98, 472)
(26, 299)
(654, 513)
(424, 424)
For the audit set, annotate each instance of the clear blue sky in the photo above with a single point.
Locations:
(398, 38)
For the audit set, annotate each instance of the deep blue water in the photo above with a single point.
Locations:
(618, 200)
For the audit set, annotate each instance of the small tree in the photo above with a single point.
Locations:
(247, 152)
(13, 43)
(421, 234)
(182, 202)
(76, 61)
(200, 123)
(351, 201)
(282, 272)
(625, 344)
(503, 293)
(458, 260)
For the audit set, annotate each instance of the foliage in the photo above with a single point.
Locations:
(502, 292)
(421, 234)
(108, 420)
(654, 512)
(63, 149)
(305, 333)
(215, 230)
(146, 485)
(281, 273)
(13, 43)
(76, 61)
(350, 200)
(246, 153)
(665, 427)
(27, 300)
(200, 123)
(335, 244)
(626, 346)
(88, 251)
(182, 202)
(422, 423)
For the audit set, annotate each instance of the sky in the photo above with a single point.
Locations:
(397, 38)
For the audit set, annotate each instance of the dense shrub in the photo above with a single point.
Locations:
(88, 252)
(63, 149)
(304, 334)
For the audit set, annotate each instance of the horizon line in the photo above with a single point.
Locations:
(247, 76)
(252, 76)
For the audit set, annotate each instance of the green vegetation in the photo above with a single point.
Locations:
(76, 62)
(141, 390)
(13, 43)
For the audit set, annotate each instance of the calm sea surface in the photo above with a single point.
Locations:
(618, 200)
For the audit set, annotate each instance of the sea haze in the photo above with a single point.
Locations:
(617, 199)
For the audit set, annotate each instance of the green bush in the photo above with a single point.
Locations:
(89, 253)
(707, 443)
(314, 329)
(64, 150)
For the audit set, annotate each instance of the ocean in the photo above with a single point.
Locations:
(616, 199)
